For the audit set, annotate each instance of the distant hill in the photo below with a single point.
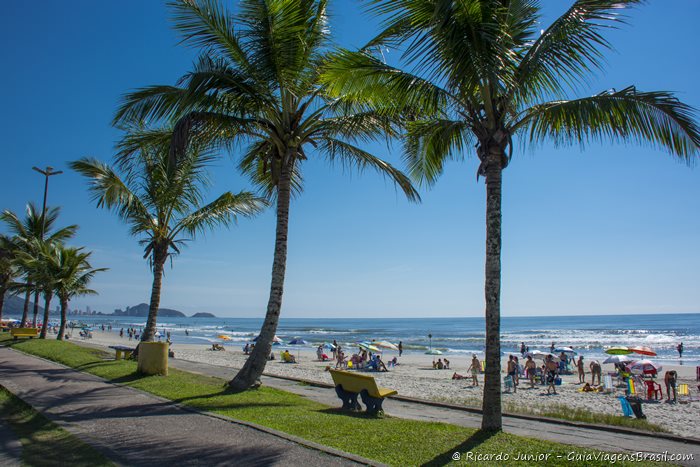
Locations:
(14, 305)
(203, 315)
(141, 310)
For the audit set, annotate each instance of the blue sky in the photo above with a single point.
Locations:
(608, 229)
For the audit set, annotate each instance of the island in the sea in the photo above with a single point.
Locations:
(202, 315)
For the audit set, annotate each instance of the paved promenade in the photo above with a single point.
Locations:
(136, 429)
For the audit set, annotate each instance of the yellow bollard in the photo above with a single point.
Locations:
(119, 355)
(153, 358)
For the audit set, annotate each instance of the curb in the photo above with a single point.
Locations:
(280, 434)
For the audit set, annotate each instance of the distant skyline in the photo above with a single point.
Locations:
(611, 229)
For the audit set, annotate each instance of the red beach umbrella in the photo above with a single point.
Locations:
(642, 350)
(646, 367)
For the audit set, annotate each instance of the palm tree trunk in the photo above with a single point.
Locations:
(64, 318)
(253, 368)
(491, 419)
(2, 300)
(36, 307)
(25, 311)
(47, 304)
(159, 257)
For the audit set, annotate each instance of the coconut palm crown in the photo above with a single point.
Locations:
(161, 199)
(482, 73)
(256, 85)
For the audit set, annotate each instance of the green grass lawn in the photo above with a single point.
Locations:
(42, 440)
(389, 440)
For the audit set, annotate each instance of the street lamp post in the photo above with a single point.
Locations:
(430, 337)
(46, 173)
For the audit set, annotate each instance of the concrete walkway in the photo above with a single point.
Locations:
(574, 435)
(10, 446)
(136, 429)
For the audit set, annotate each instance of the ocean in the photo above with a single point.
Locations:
(589, 335)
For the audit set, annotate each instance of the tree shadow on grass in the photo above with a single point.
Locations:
(474, 441)
(337, 411)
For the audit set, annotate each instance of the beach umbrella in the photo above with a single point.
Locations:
(433, 352)
(386, 345)
(275, 340)
(543, 355)
(567, 350)
(618, 350)
(224, 337)
(642, 350)
(617, 359)
(328, 346)
(298, 342)
(646, 367)
(368, 347)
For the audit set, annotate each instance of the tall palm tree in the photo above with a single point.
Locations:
(256, 83)
(70, 274)
(8, 267)
(27, 234)
(484, 74)
(36, 259)
(161, 200)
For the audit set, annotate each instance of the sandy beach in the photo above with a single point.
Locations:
(415, 377)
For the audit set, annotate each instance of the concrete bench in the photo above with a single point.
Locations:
(24, 332)
(349, 385)
(122, 350)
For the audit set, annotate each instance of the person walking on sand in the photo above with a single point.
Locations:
(581, 371)
(670, 381)
(596, 370)
(475, 367)
(552, 367)
(530, 370)
(334, 349)
(522, 349)
(400, 348)
(512, 371)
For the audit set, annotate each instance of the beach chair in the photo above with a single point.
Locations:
(608, 384)
(683, 393)
(626, 407)
(508, 383)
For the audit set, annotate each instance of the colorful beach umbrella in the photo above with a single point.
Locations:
(368, 347)
(646, 367)
(642, 350)
(618, 350)
(298, 342)
(386, 345)
(224, 337)
(328, 346)
(568, 350)
(617, 359)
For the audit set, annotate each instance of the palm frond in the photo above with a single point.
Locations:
(568, 51)
(654, 118)
(354, 157)
(222, 211)
(429, 143)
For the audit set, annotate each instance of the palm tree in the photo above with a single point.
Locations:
(256, 83)
(36, 259)
(70, 274)
(483, 75)
(8, 267)
(161, 200)
(27, 232)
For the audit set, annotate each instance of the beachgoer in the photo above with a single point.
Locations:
(121, 332)
(530, 370)
(512, 370)
(522, 349)
(458, 376)
(552, 368)
(400, 348)
(439, 365)
(340, 360)
(246, 349)
(581, 371)
(518, 370)
(334, 350)
(475, 368)
(187, 333)
(680, 350)
(670, 380)
(447, 364)
(393, 362)
(319, 352)
(380, 364)
(596, 370)
(587, 388)
(551, 349)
